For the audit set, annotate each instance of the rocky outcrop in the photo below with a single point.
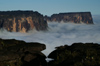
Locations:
(74, 17)
(22, 21)
(78, 54)
(19, 53)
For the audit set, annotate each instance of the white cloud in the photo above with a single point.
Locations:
(58, 34)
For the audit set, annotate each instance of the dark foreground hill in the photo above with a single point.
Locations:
(78, 54)
(19, 53)
(73, 17)
(22, 21)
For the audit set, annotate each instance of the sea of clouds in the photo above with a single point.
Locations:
(59, 34)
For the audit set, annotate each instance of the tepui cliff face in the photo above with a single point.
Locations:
(74, 17)
(22, 21)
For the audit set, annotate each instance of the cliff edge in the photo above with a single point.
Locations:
(22, 21)
(73, 17)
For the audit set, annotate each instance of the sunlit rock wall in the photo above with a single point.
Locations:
(73, 17)
(22, 21)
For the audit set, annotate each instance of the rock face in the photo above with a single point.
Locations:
(74, 17)
(78, 54)
(20, 53)
(22, 21)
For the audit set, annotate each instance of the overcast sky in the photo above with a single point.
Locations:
(48, 7)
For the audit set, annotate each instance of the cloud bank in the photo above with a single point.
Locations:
(58, 34)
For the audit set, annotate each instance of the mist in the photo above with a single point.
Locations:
(59, 34)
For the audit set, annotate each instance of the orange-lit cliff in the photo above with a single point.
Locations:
(22, 21)
(73, 17)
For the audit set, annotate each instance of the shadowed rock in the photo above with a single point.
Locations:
(20, 53)
(78, 54)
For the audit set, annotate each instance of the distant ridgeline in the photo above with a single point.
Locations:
(22, 21)
(74, 17)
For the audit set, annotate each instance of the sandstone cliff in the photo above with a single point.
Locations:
(22, 21)
(19, 53)
(74, 17)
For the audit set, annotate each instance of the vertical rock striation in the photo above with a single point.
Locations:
(22, 21)
(74, 17)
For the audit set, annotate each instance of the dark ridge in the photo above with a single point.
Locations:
(18, 13)
(19, 53)
(78, 54)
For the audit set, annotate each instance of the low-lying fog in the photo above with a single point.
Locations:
(59, 34)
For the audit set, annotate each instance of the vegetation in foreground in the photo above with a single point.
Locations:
(78, 54)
